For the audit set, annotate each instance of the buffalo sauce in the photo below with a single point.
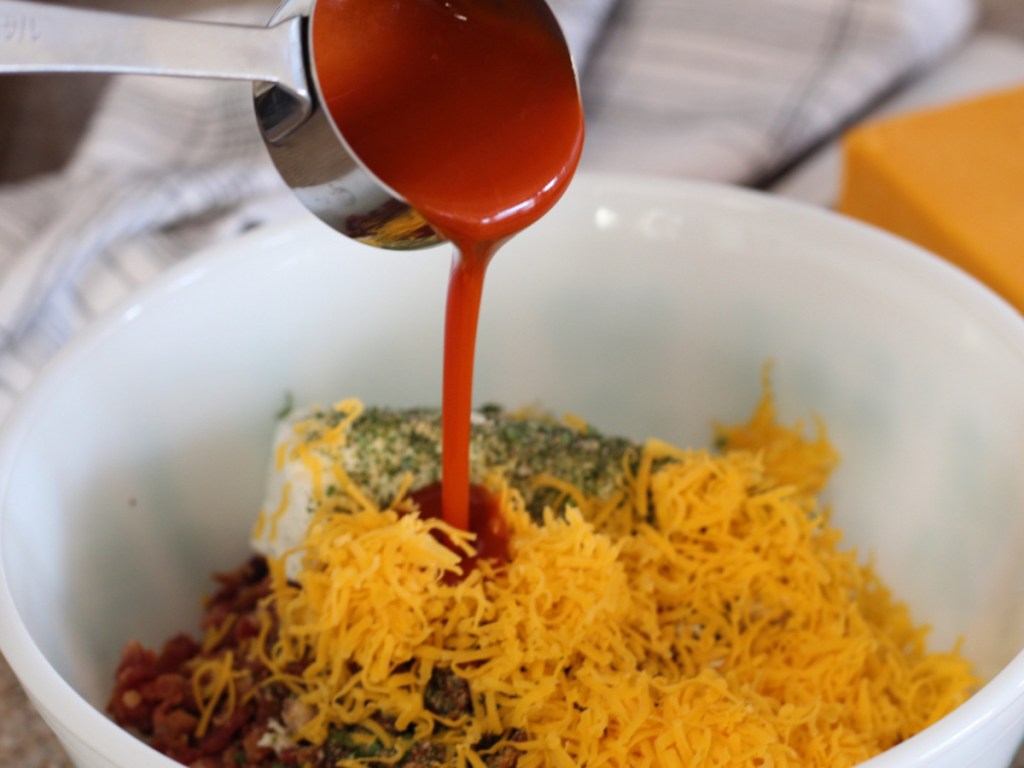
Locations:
(485, 521)
(469, 110)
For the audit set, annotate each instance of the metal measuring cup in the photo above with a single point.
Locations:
(308, 151)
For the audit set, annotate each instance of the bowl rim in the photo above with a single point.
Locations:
(78, 719)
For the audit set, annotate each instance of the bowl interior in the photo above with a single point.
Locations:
(135, 468)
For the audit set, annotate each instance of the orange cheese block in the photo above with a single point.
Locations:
(950, 179)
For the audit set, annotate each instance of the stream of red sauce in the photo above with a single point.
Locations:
(470, 111)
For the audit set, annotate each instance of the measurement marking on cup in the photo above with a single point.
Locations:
(19, 29)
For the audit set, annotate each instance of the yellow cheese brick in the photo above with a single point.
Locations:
(950, 179)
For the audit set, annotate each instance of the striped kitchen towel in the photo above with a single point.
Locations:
(731, 90)
(735, 90)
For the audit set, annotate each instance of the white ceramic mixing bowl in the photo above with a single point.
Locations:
(135, 466)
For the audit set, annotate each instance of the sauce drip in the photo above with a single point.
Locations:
(484, 520)
(470, 111)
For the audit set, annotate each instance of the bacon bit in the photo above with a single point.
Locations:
(172, 729)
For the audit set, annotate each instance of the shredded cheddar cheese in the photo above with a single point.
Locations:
(705, 613)
(275, 517)
(211, 680)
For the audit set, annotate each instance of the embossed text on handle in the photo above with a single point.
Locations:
(47, 37)
(18, 29)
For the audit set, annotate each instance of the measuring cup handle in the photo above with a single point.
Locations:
(36, 37)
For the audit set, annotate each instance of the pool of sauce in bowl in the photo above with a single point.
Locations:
(470, 111)
(485, 520)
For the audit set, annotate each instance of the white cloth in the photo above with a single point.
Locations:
(734, 90)
(721, 89)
